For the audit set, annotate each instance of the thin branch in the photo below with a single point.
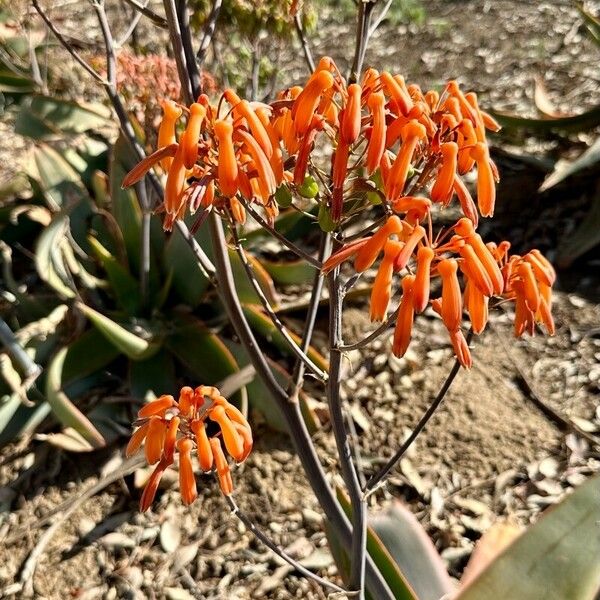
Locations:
(299, 353)
(365, 7)
(205, 264)
(156, 19)
(183, 17)
(375, 479)
(310, 61)
(235, 509)
(63, 42)
(178, 51)
(209, 31)
(372, 336)
(290, 245)
(380, 17)
(109, 46)
(311, 316)
(349, 473)
(132, 26)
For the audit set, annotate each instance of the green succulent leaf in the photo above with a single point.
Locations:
(244, 288)
(17, 420)
(588, 160)
(413, 551)
(43, 117)
(89, 353)
(132, 345)
(556, 558)
(50, 255)
(188, 280)
(156, 374)
(200, 350)
(294, 272)
(381, 556)
(65, 411)
(572, 124)
(58, 181)
(123, 285)
(13, 84)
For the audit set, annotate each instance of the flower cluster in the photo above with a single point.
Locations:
(168, 427)
(388, 139)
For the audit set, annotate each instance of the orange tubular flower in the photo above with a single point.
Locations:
(370, 81)
(147, 163)
(406, 315)
(443, 187)
(471, 98)
(432, 98)
(205, 455)
(461, 348)
(486, 188)
(170, 426)
(340, 166)
(475, 271)
(166, 129)
(152, 485)
(155, 439)
(376, 144)
(368, 254)
(530, 288)
(467, 139)
(465, 108)
(171, 438)
(489, 122)
(187, 481)
(524, 317)
(277, 156)
(451, 296)
(261, 162)
(422, 278)
(243, 109)
(466, 201)
(237, 210)
(477, 307)
(350, 119)
(465, 229)
(382, 286)
(175, 183)
(156, 407)
(403, 257)
(223, 471)
(227, 164)
(343, 254)
(231, 437)
(397, 91)
(191, 135)
(412, 132)
(415, 204)
(306, 148)
(306, 104)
